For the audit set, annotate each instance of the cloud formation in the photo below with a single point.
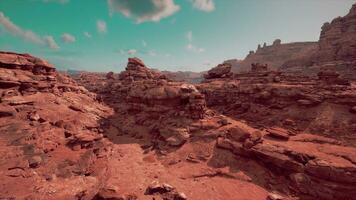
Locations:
(50, 42)
(26, 35)
(204, 5)
(67, 38)
(143, 11)
(101, 26)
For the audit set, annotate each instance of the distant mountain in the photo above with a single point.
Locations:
(186, 76)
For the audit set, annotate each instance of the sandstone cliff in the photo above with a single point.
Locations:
(275, 55)
(336, 49)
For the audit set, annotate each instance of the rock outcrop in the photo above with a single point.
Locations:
(269, 98)
(336, 49)
(338, 39)
(146, 98)
(220, 71)
(276, 55)
(137, 70)
(319, 168)
(51, 145)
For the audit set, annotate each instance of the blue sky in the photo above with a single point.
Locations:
(195, 35)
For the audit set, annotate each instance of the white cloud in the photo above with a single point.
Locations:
(26, 35)
(142, 11)
(87, 34)
(101, 26)
(68, 38)
(50, 42)
(189, 36)
(204, 5)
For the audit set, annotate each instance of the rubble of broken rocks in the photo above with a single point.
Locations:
(50, 136)
(172, 115)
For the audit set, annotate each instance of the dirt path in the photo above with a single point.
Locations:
(132, 170)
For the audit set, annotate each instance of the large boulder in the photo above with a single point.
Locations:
(220, 71)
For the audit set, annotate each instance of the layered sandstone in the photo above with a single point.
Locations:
(51, 145)
(338, 39)
(275, 55)
(220, 71)
(268, 98)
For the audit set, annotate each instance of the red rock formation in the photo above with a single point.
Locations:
(137, 70)
(220, 71)
(50, 138)
(336, 49)
(110, 75)
(173, 117)
(338, 39)
(268, 98)
(276, 55)
(257, 67)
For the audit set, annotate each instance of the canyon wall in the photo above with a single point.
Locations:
(275, 55)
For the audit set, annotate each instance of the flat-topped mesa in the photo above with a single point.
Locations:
(220, 71)
(137, 70)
